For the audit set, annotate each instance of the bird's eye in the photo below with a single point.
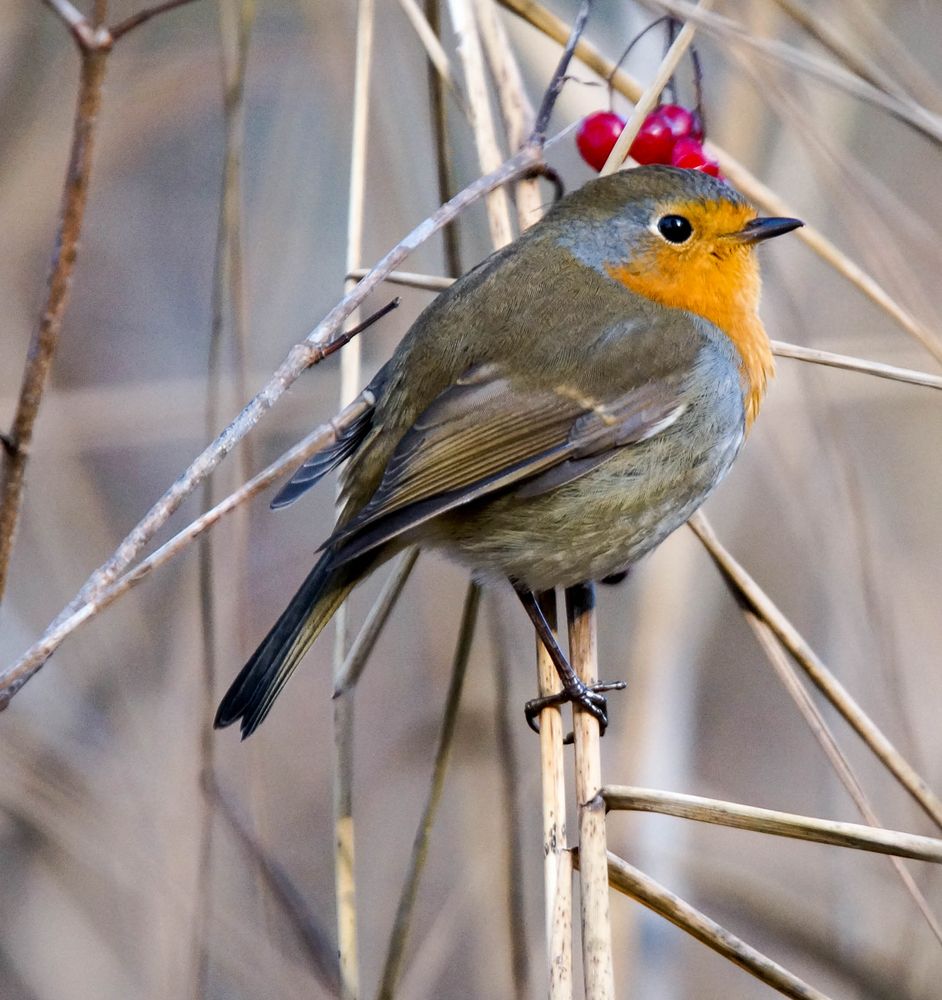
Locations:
(674, 228)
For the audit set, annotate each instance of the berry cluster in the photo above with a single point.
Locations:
(670, 134)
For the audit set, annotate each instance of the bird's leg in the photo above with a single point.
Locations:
(589, 697)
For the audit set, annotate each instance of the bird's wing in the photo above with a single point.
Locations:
(322, 462)
(485, 434)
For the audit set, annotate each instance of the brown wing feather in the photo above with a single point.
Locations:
(485, 434)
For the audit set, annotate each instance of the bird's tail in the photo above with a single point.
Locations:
(260, 681)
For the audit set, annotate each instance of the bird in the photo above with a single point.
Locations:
(552, 416)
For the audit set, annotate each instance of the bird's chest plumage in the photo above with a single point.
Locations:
(609, 518)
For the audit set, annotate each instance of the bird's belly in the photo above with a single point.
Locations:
(593, 526)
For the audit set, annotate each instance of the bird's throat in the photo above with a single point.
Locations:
(729, 305)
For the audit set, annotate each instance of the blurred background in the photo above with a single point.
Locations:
(833, 507)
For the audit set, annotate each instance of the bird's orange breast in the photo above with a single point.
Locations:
(719, 282)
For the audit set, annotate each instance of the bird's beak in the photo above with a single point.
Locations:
(761, 229)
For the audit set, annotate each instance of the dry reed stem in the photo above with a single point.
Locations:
(557, 894)
(835, 41)
(634, 883)
(760, 604)
(362, 646)
(482, 119)
(515, 106)
(771, 821)
(392, 967)
(560, 928)
(314, 939)
(903, 108)
(838, 761)
(866, 367)
(552, 26)
(321, 341)
(350, 379)
(647, 100)
(596, 924)
(433, 49)
(227, 288)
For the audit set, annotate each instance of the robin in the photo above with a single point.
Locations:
(554, 415)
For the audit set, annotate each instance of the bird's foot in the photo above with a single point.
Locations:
(587, 696)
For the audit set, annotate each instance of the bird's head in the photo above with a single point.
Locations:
(684, 240)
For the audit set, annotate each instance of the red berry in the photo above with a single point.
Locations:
(689, 154)
(654, 142)
(683, 123)
(597, 136)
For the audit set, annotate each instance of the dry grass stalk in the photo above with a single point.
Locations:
(741, 177)
(350, 379)
(596, 925)
(400, 932)
(515, 106)
(227, 295)
(634, 883)
(557, 870)
(314, 939)
(362, 646)
(482, 119)
(771, 821)
(838, 761)
(862, 365)
(433, 48)
(902, 107)
(759, 602)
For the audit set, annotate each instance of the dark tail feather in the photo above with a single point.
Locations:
(260, 681)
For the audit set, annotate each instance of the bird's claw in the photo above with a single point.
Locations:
(589, 697)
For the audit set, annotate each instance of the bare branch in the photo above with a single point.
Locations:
(876, 368)
(142, 16)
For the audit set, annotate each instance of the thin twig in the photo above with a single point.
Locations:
(593, 883)
(571, 43)
(135, 20)
(740, 177)
(314, 939)
(392, 967)
(634, 883)
(758, 601)
(771, 821)
(409, 279)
